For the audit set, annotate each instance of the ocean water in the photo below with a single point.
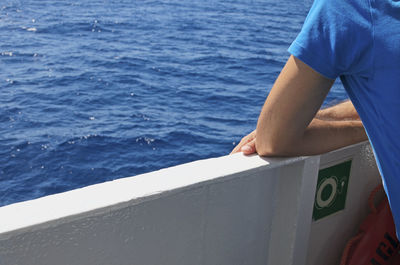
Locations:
(96, 90)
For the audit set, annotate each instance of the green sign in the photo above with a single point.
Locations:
(330, 196)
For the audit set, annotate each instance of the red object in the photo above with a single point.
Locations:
(376, 242)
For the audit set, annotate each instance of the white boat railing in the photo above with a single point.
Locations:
(227, 210)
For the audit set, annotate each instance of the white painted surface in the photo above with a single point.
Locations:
(329, 235)
(110, 193)
(228, 210)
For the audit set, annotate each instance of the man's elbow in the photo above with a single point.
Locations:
(271, 148)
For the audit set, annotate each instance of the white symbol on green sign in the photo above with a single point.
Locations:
(331, 191)
(326, 192)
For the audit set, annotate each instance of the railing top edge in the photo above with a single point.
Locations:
(54, 207)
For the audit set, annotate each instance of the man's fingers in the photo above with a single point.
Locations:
(245, 140)
(250, 137)
(236, 149)
(249, 148)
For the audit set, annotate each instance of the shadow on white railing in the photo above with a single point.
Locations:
(227, 210)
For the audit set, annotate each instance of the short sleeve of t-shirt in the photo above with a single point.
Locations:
(336, 38)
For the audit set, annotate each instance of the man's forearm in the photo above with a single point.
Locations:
(322, 136)
(341, 111)
(332, 128)
(325, 136)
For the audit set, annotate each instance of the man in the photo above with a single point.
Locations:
(358, 41)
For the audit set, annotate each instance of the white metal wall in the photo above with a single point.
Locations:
(329, 235)
(228, 210)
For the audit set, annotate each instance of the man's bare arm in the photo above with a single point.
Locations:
(286, 126)
(341, 111)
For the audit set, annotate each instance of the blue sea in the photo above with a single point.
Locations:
(96, 90)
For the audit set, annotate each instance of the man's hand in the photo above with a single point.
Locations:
(247, 145)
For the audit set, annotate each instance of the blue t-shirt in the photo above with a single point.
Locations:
(359, 41)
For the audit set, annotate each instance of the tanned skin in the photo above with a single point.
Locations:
(290, 123)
